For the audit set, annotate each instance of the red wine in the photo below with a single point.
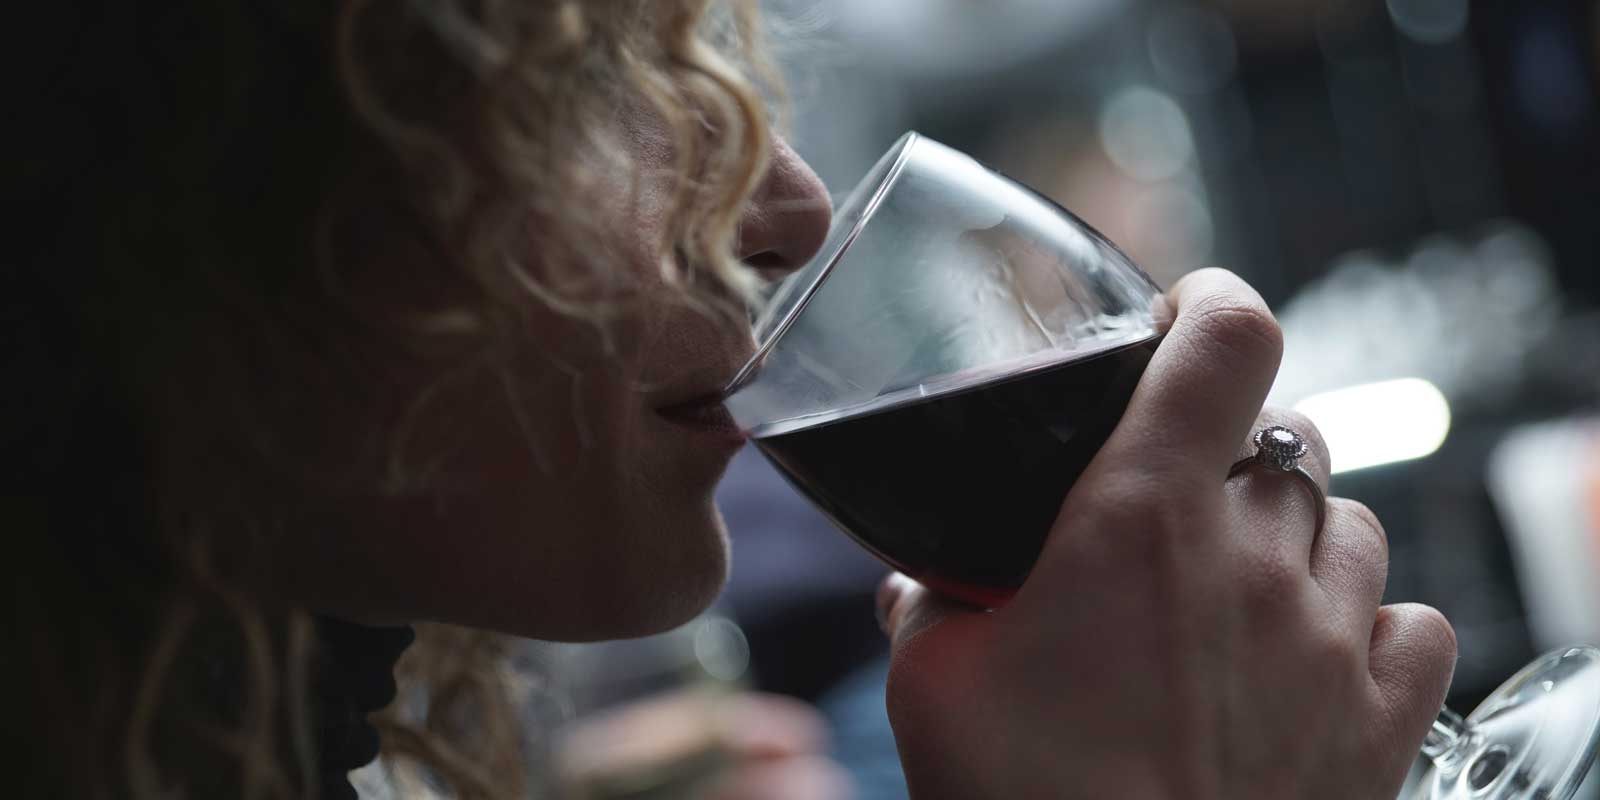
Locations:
(959, 490)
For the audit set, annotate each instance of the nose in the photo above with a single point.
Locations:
(787, 218)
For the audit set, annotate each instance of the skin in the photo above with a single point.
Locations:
(562, 505)
(1234, 654)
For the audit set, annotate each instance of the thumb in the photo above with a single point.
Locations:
(907, 608)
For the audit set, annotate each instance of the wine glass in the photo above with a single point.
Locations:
(953, 318)
(1534, 737)
(960, 336)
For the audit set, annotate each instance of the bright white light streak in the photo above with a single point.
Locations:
(1379, 423)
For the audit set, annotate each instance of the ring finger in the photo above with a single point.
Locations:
(1280, 510)
(1346, 553)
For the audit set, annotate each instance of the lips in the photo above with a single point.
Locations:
(706, 413)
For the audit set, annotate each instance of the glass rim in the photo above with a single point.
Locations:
(901, 150)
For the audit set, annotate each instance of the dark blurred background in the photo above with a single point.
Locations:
(1411, 184)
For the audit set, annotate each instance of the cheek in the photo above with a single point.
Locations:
(596, 505)
(544, 499)
(628, 530)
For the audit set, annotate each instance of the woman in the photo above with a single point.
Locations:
(380, 313)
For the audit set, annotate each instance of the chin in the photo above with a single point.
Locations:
(658, 588)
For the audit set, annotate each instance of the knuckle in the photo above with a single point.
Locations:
(1354, 544)
(1351, 558)
(1418, 647)
(1363, 521)
(1436, 636)
(1239, 326)
(1268, 584)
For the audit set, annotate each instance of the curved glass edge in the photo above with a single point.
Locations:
(791, 303)
(901, 152)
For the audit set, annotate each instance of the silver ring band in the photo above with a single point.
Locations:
(1279, 449)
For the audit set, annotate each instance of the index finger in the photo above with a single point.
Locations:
(1204, 386)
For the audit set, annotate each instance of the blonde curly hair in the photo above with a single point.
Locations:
(202, 177)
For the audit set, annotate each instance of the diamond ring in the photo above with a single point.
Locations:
(1280, 449)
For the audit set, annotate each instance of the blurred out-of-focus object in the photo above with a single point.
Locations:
(666, 746)
(655, 717)
(1545, 480)
(1462, 313)
(691, 744)
(1379, 423)
(709, 652)
(933, 38)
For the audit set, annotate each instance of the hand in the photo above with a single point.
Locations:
(1183, 635)
(695, 743)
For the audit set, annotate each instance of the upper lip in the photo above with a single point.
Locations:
(705, 399)
(696, 387)
(695, 361)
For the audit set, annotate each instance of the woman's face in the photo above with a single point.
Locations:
(572, 496)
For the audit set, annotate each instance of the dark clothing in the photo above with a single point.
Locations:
(354, 677)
